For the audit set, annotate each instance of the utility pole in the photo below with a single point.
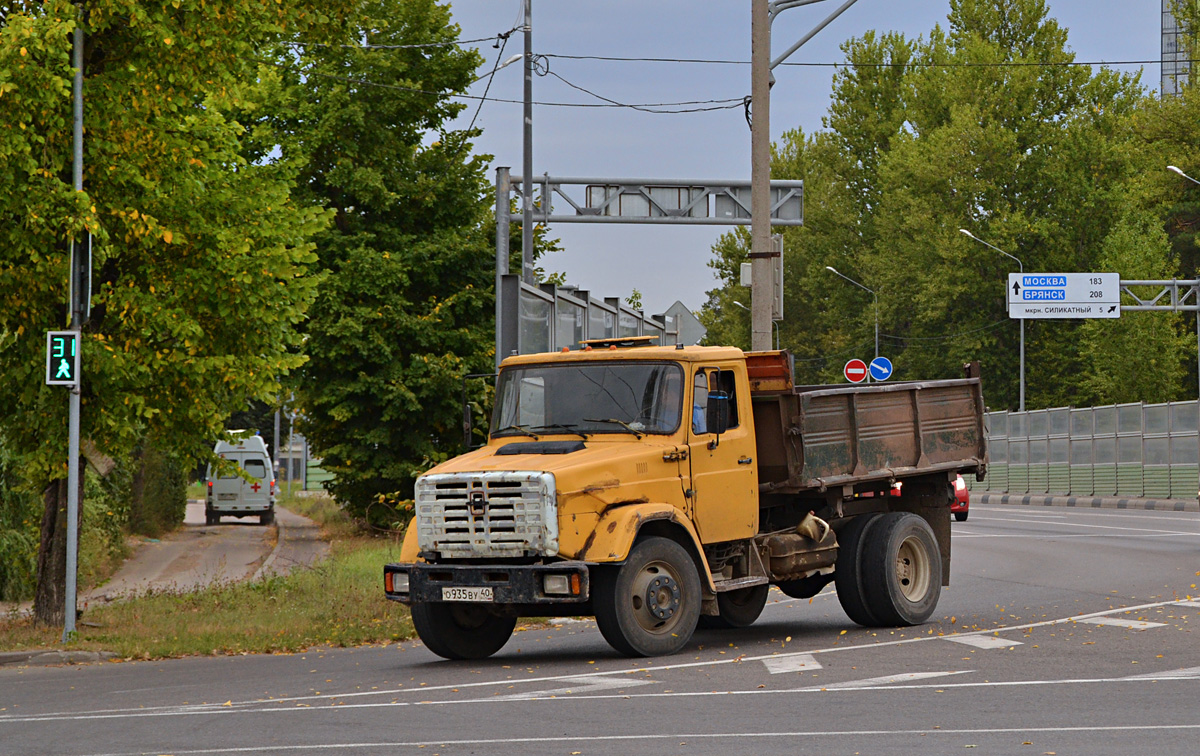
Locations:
(527, 159)
(762, 13)
(761, 268)
(79, 303)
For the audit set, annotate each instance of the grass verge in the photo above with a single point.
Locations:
(337, 603)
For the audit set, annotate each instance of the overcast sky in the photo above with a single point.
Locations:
(667, 263)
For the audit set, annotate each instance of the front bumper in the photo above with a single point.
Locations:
(510, 584)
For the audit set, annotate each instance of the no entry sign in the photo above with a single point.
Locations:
(855, 371)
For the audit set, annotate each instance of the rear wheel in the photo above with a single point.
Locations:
(211, 517)
(267, 518)
(650, 605)
(902, 569)
(738, 608)
(461, 631)
(847, 573)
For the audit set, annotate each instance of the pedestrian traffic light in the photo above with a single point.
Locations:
(62, 358)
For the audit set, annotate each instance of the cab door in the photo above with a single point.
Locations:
(724, 473)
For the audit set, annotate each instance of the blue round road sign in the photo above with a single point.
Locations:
(881, 368)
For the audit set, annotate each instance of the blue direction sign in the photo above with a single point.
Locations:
(881, 369)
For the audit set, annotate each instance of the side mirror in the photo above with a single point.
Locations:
(717, 413)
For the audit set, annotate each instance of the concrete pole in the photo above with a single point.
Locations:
(503, 188)
(527, 157)
(77, 306)
(761, 263)
(275, 450)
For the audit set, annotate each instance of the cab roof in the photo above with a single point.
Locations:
(656, 353)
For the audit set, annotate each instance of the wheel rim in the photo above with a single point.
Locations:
(912, 569)
(655, 597)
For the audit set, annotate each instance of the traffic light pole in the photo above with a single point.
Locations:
(78, 305)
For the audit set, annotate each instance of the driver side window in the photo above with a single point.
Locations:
(700, 403)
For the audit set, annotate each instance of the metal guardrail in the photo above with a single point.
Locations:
(1136, 450)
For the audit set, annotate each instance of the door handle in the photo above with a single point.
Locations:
(745, 460)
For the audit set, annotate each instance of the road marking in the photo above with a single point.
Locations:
(1117, 622)
(244, 706)
(1190, 603)
(982, 641)
(873, 685)
(791, 663)
(875, 682)
(392, 745)
(1190, 673)
(583, 685)
(1124, 529)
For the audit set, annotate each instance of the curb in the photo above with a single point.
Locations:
(52, 658)
(266, 565)
(1086, 502)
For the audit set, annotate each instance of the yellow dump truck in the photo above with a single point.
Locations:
(657, 488)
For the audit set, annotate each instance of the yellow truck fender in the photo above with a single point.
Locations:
(409, 549)
(618, 527)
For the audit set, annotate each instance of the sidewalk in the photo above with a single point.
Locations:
(1085, 502)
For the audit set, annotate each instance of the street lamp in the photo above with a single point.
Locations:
(774, 323)
(864, 288)
(1173, 169)
(1021, 266)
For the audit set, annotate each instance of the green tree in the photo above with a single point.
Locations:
(200, 257)
(405, 308)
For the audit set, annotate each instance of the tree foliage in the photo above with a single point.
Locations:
(986, 125)
(405, 307)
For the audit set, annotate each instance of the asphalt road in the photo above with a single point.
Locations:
(1063, 632)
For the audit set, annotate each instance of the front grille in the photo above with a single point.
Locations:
(492, 514)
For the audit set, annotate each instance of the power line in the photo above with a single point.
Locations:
(847, 64)
(497, 37)
(951, 337)
(491, 78)
(725, 104)
(606, 104)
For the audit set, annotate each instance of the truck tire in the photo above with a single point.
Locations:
(902, 569)
(461, 631)
(211, 517)
(847, 572)
(267, 518)
(738, 608)
(650, 605)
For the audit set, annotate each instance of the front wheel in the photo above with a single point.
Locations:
(961, 516)
(461, 631)
(650, 605)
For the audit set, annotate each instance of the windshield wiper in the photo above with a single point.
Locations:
(560, 426)
(615, 421)
(519, 428)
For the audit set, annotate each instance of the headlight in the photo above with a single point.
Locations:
(396, 582)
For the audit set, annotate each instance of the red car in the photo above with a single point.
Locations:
(962, 500)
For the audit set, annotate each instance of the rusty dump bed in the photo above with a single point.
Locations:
(813, 437)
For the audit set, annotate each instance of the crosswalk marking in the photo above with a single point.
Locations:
(1117, 622)
(983, 641)
(778, 665)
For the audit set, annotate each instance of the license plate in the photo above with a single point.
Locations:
(468, 594)
(227, 497)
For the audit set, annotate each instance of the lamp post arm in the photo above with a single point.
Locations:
(993, 246)
(816, 29)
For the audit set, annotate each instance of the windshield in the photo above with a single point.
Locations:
(597, 397)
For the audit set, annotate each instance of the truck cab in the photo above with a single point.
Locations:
(621, 480)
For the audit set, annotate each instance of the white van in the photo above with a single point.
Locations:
(230, 494)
